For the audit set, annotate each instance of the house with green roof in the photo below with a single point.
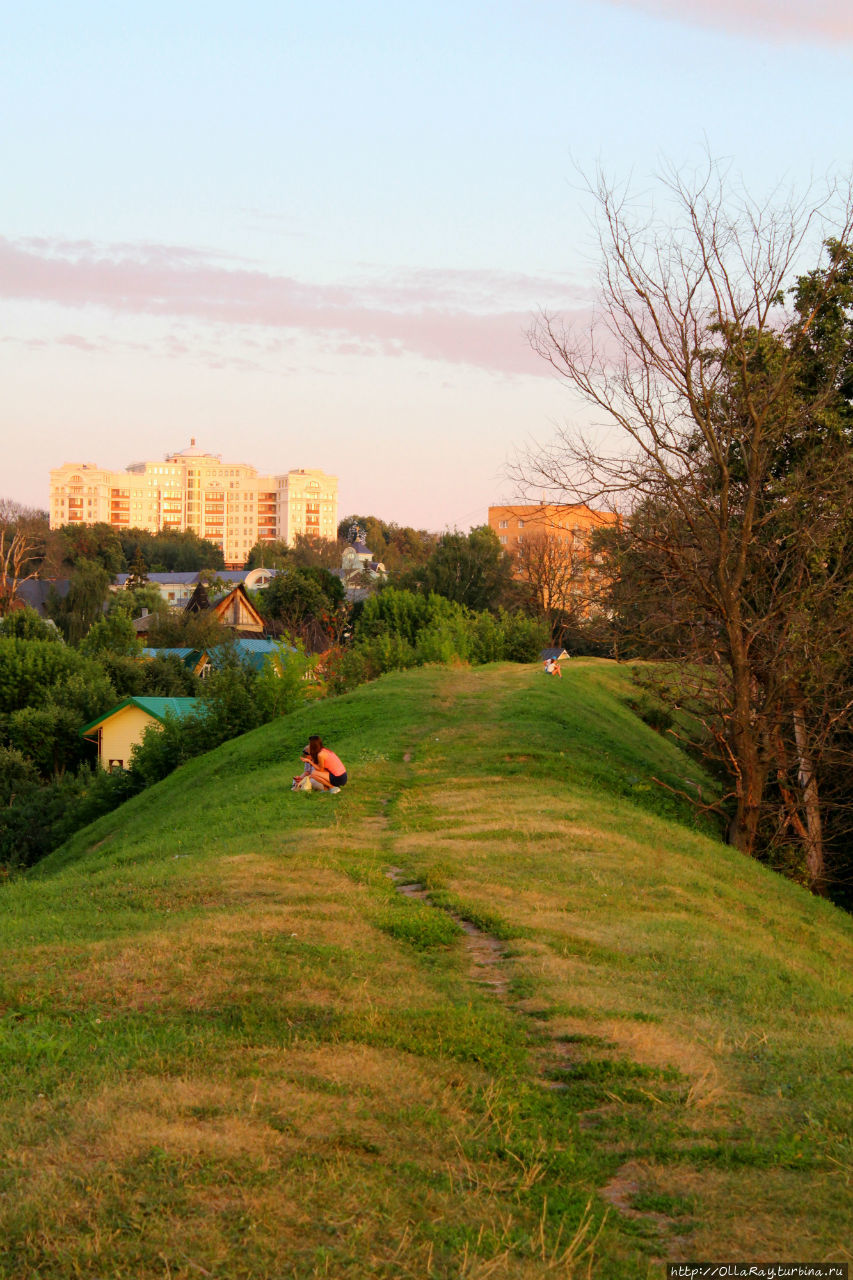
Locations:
(119, 730)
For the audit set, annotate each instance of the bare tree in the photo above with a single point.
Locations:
(554, 576)
(23, 532)
(695, 366)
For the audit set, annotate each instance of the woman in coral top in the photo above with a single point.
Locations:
(328, 772)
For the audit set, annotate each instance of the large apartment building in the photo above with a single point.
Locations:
(226, 502)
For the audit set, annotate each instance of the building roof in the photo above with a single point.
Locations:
(35, 591)
(157, 708)
(252, 650)
(194, 452)
(165, 579)
(189, 657)
(199, 601)
(553, 653)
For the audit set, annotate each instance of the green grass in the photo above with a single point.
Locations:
(230, 1047)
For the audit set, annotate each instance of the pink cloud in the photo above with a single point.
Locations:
(819, 21)
(477, 318)
(76, 340)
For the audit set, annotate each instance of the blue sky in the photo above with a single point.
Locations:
(314, 235)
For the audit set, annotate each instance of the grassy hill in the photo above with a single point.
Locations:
(594, 1039)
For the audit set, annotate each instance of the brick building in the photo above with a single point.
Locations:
(551, 543)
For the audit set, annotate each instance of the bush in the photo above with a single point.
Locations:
(114, 634)
(524, 637)
(488, 640)
(397, 629)
(25, 624)
(42, 817)
(29, 669)
(49, 737)
(652, 712)
(445, 641)
(17, 775)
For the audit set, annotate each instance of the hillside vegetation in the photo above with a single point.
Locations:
(595, 1041)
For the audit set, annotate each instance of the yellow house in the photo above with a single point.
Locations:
(118, 731)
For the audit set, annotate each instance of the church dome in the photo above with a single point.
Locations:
(193, 452)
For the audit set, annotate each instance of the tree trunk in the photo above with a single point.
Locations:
(811, 803)
(744, 741)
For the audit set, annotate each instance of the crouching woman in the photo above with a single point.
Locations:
(328, 772)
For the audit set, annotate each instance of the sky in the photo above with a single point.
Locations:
(316, 235)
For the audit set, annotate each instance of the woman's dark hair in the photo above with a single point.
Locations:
(315, 746)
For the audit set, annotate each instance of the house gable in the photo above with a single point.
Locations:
(236, 610)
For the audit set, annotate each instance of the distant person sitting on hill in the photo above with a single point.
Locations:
(325, 770)
(552, 668)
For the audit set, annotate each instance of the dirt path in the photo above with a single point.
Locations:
(489, 968)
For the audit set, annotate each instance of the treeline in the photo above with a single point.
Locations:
(116, 550)
(398, 547)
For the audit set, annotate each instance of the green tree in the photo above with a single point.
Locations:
(49, 737)
(473, 569)
(47, 691)
(138, 571)
(25, 624)
(18, 775)
(315, 553)
(177, 629)
(399, 547)
(112, 634)
(297, 598)
(269, 555)
(165, 676)
(137, 600)
(87, 595)
(171, 550)
(93, 543)
(30, 669)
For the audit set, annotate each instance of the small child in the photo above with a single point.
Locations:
(300, 782)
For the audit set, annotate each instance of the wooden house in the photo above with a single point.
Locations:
(234, 610)
(122, 728)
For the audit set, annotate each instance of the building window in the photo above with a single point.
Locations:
(521, 524)
(502, 524)
(503, 540)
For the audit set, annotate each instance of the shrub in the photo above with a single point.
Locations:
(25, 624)
(524, 637)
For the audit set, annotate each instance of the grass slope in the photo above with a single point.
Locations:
(231, 1048)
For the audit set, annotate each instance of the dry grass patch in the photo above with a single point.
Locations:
(747, 1214)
